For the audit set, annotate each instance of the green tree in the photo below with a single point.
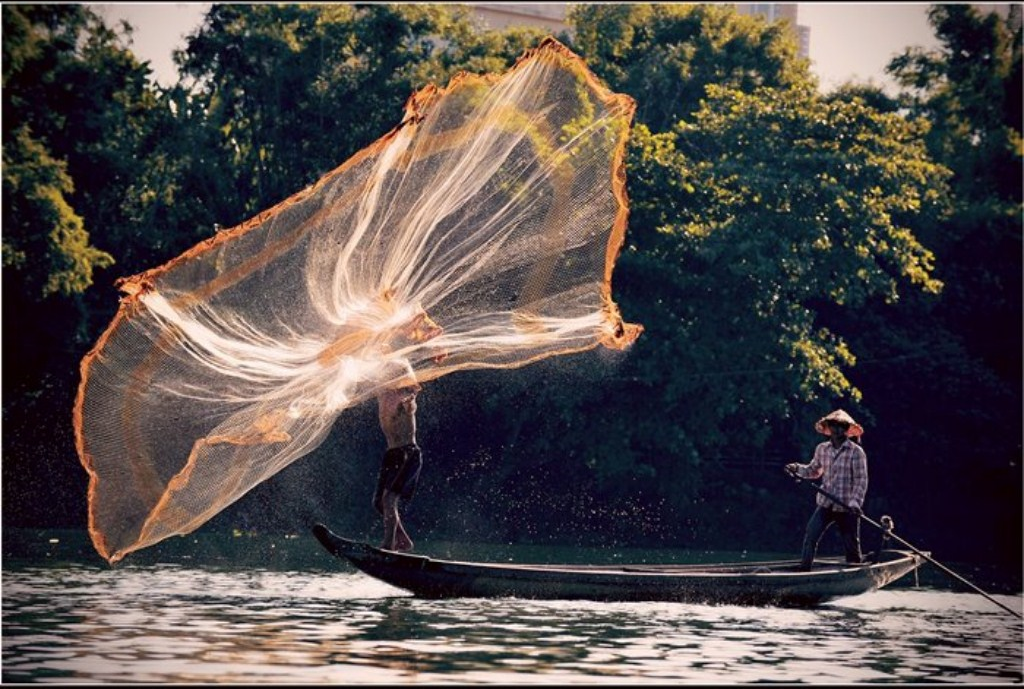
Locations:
(785, 253)
(970, 89)
(289, 92)
(45, 246)
(787, 208)
(948, 368)
(665, 55)
(46, 249)
(762, 218)
(75, 104)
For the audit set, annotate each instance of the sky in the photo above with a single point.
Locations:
(849, 41)
(855, 41)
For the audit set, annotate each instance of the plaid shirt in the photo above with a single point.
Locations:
(843, 473)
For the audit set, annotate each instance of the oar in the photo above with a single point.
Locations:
(887, 531)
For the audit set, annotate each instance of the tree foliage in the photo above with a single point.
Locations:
(74, 101)
(950, 367)
(758, 214)
(289, 92)
(39, 222)
(45, 243)
(665, 55)
(970, 90)
(788, 252)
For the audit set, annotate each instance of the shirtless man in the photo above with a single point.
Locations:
(400, 467)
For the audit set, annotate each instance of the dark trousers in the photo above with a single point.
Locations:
(399, 473)
(849, 527)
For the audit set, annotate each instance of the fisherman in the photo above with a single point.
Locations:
(842, 465)
(402, 461)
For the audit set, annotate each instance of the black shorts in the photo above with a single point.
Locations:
(399, 473)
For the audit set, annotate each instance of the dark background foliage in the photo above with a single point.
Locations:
(789, 252)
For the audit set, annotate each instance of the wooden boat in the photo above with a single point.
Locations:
(777, 582)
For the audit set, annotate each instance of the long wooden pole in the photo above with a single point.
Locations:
(887, 530)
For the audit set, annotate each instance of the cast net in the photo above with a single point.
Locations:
(496, 210)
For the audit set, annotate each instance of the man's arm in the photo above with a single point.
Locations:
(812, 470)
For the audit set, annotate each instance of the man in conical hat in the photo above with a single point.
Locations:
(842, 466)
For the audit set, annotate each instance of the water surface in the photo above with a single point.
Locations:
(191, 622)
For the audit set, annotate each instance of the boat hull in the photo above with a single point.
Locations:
(778, 583)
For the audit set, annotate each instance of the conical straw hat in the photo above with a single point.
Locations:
(839, 415)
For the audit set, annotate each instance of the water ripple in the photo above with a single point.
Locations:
(185, 625)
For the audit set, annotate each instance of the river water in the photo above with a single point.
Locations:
(202, 619)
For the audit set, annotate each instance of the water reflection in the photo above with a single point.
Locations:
(185, 625)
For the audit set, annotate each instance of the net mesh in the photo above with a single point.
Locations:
(496, 210)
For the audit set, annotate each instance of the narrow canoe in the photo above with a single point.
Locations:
(777, 582)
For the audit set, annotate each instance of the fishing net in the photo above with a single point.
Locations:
(480, 233)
